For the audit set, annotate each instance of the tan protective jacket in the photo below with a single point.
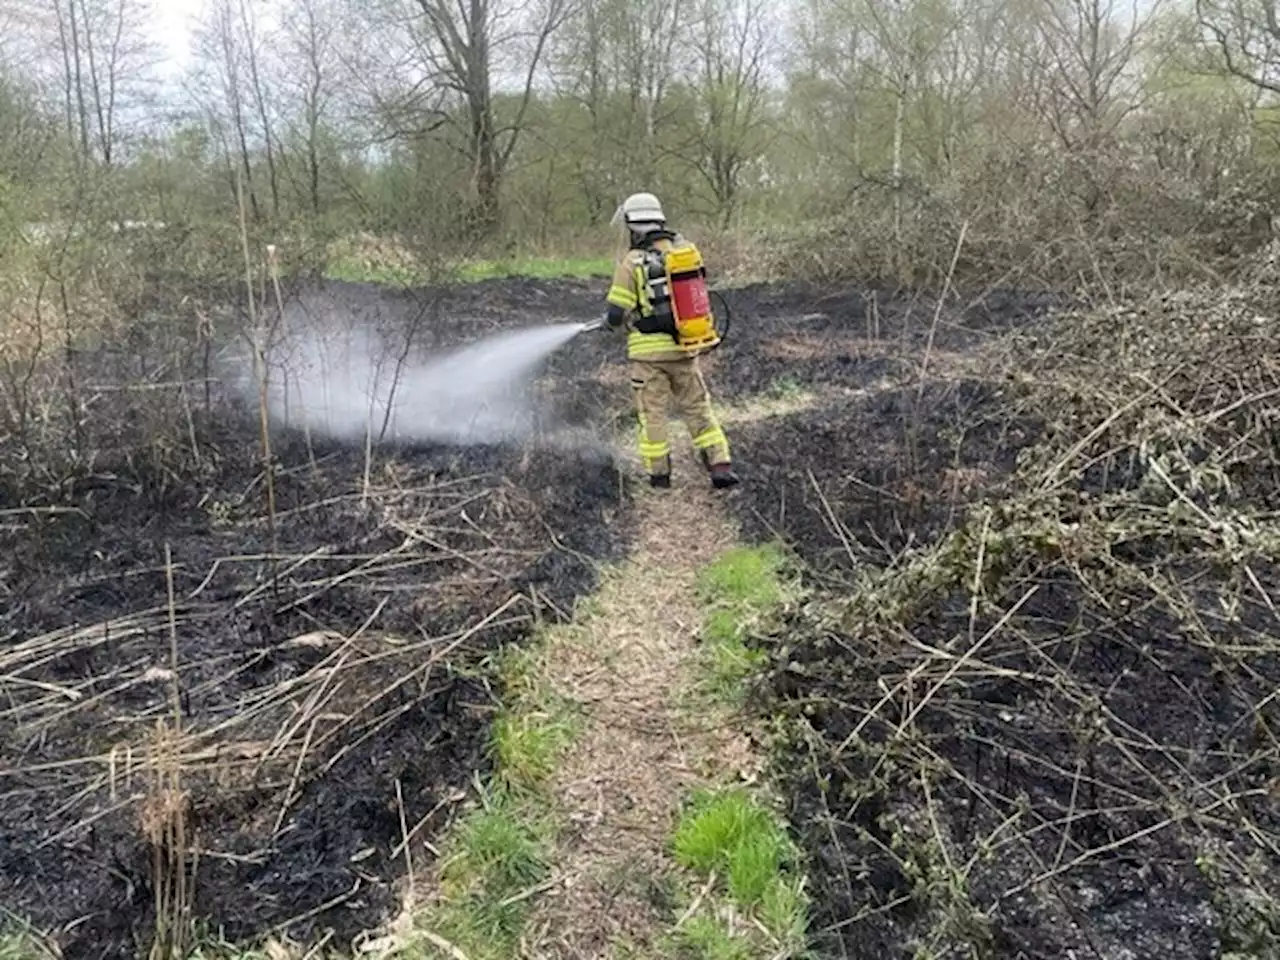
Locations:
(630, 293)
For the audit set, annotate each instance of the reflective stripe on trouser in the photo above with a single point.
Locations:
(655, 384)
(655, 450)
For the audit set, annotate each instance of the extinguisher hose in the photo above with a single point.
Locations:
(723, 317)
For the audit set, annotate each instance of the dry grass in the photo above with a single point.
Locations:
(619, 788)
(1075, 689)
(316, 717)
(766, 407)
(170, 719)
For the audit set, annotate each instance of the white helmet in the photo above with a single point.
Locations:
(640, 209)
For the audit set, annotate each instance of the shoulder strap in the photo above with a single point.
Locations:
(650, 239)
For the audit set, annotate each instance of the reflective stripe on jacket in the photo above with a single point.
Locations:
(629, 292)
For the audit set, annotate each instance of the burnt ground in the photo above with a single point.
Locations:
(1034, 705)
(873, 456)
(287, 696)
(1092, 778)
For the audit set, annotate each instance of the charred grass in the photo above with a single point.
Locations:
(1032, 698)
(215, 716)
(1030, 693)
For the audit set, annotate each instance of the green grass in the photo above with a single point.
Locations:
(532, 732)
(728, 833)
(494, 858)
(729, 660)
(731, 835)
(211, 947)
(785, 387)
(353, 270)
(1248, 920)
(739, 589)
(747, 578)
(705, 938)
(18, 942)
(528, 745)
(784, 910)
(542, 268)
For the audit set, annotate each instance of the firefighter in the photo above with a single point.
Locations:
(664, 368)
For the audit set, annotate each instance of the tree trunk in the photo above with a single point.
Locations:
(81, 108)
(487, 180)
(100, 85)
(484, 148)
(313, 162)
(313, 112)
(899, 122)
(260, 101)
(247, 167)
(68, 74)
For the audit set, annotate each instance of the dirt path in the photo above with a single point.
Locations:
(645, 742)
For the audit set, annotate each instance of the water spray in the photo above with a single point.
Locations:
(340, 379)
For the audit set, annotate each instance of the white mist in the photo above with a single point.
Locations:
(345, 383)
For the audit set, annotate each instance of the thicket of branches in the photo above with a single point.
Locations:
(1053, 728)
(1057, 127)
(1095, 143)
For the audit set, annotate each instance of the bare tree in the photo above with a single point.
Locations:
(892, 88)
(1088, 50)
(614, 59)
(1081, 61)
(1247, 35)
(460, 44)
(832, 46)
(309, 33)
(219, 88)
(648, 75)
(731, 47)
(956, 77)
(77, 113)
(903, 41)
(582, 63)
(104, 56)
(251, 43)
(20, 21)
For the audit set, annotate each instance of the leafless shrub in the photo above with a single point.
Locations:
(1074, 690)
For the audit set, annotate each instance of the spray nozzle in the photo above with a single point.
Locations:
(592, 325)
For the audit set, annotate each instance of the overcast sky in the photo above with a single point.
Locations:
(171, 29)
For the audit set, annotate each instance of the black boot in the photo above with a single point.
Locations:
(660, 481)
(723, 477)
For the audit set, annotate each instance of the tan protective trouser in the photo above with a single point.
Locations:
(655, 384)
